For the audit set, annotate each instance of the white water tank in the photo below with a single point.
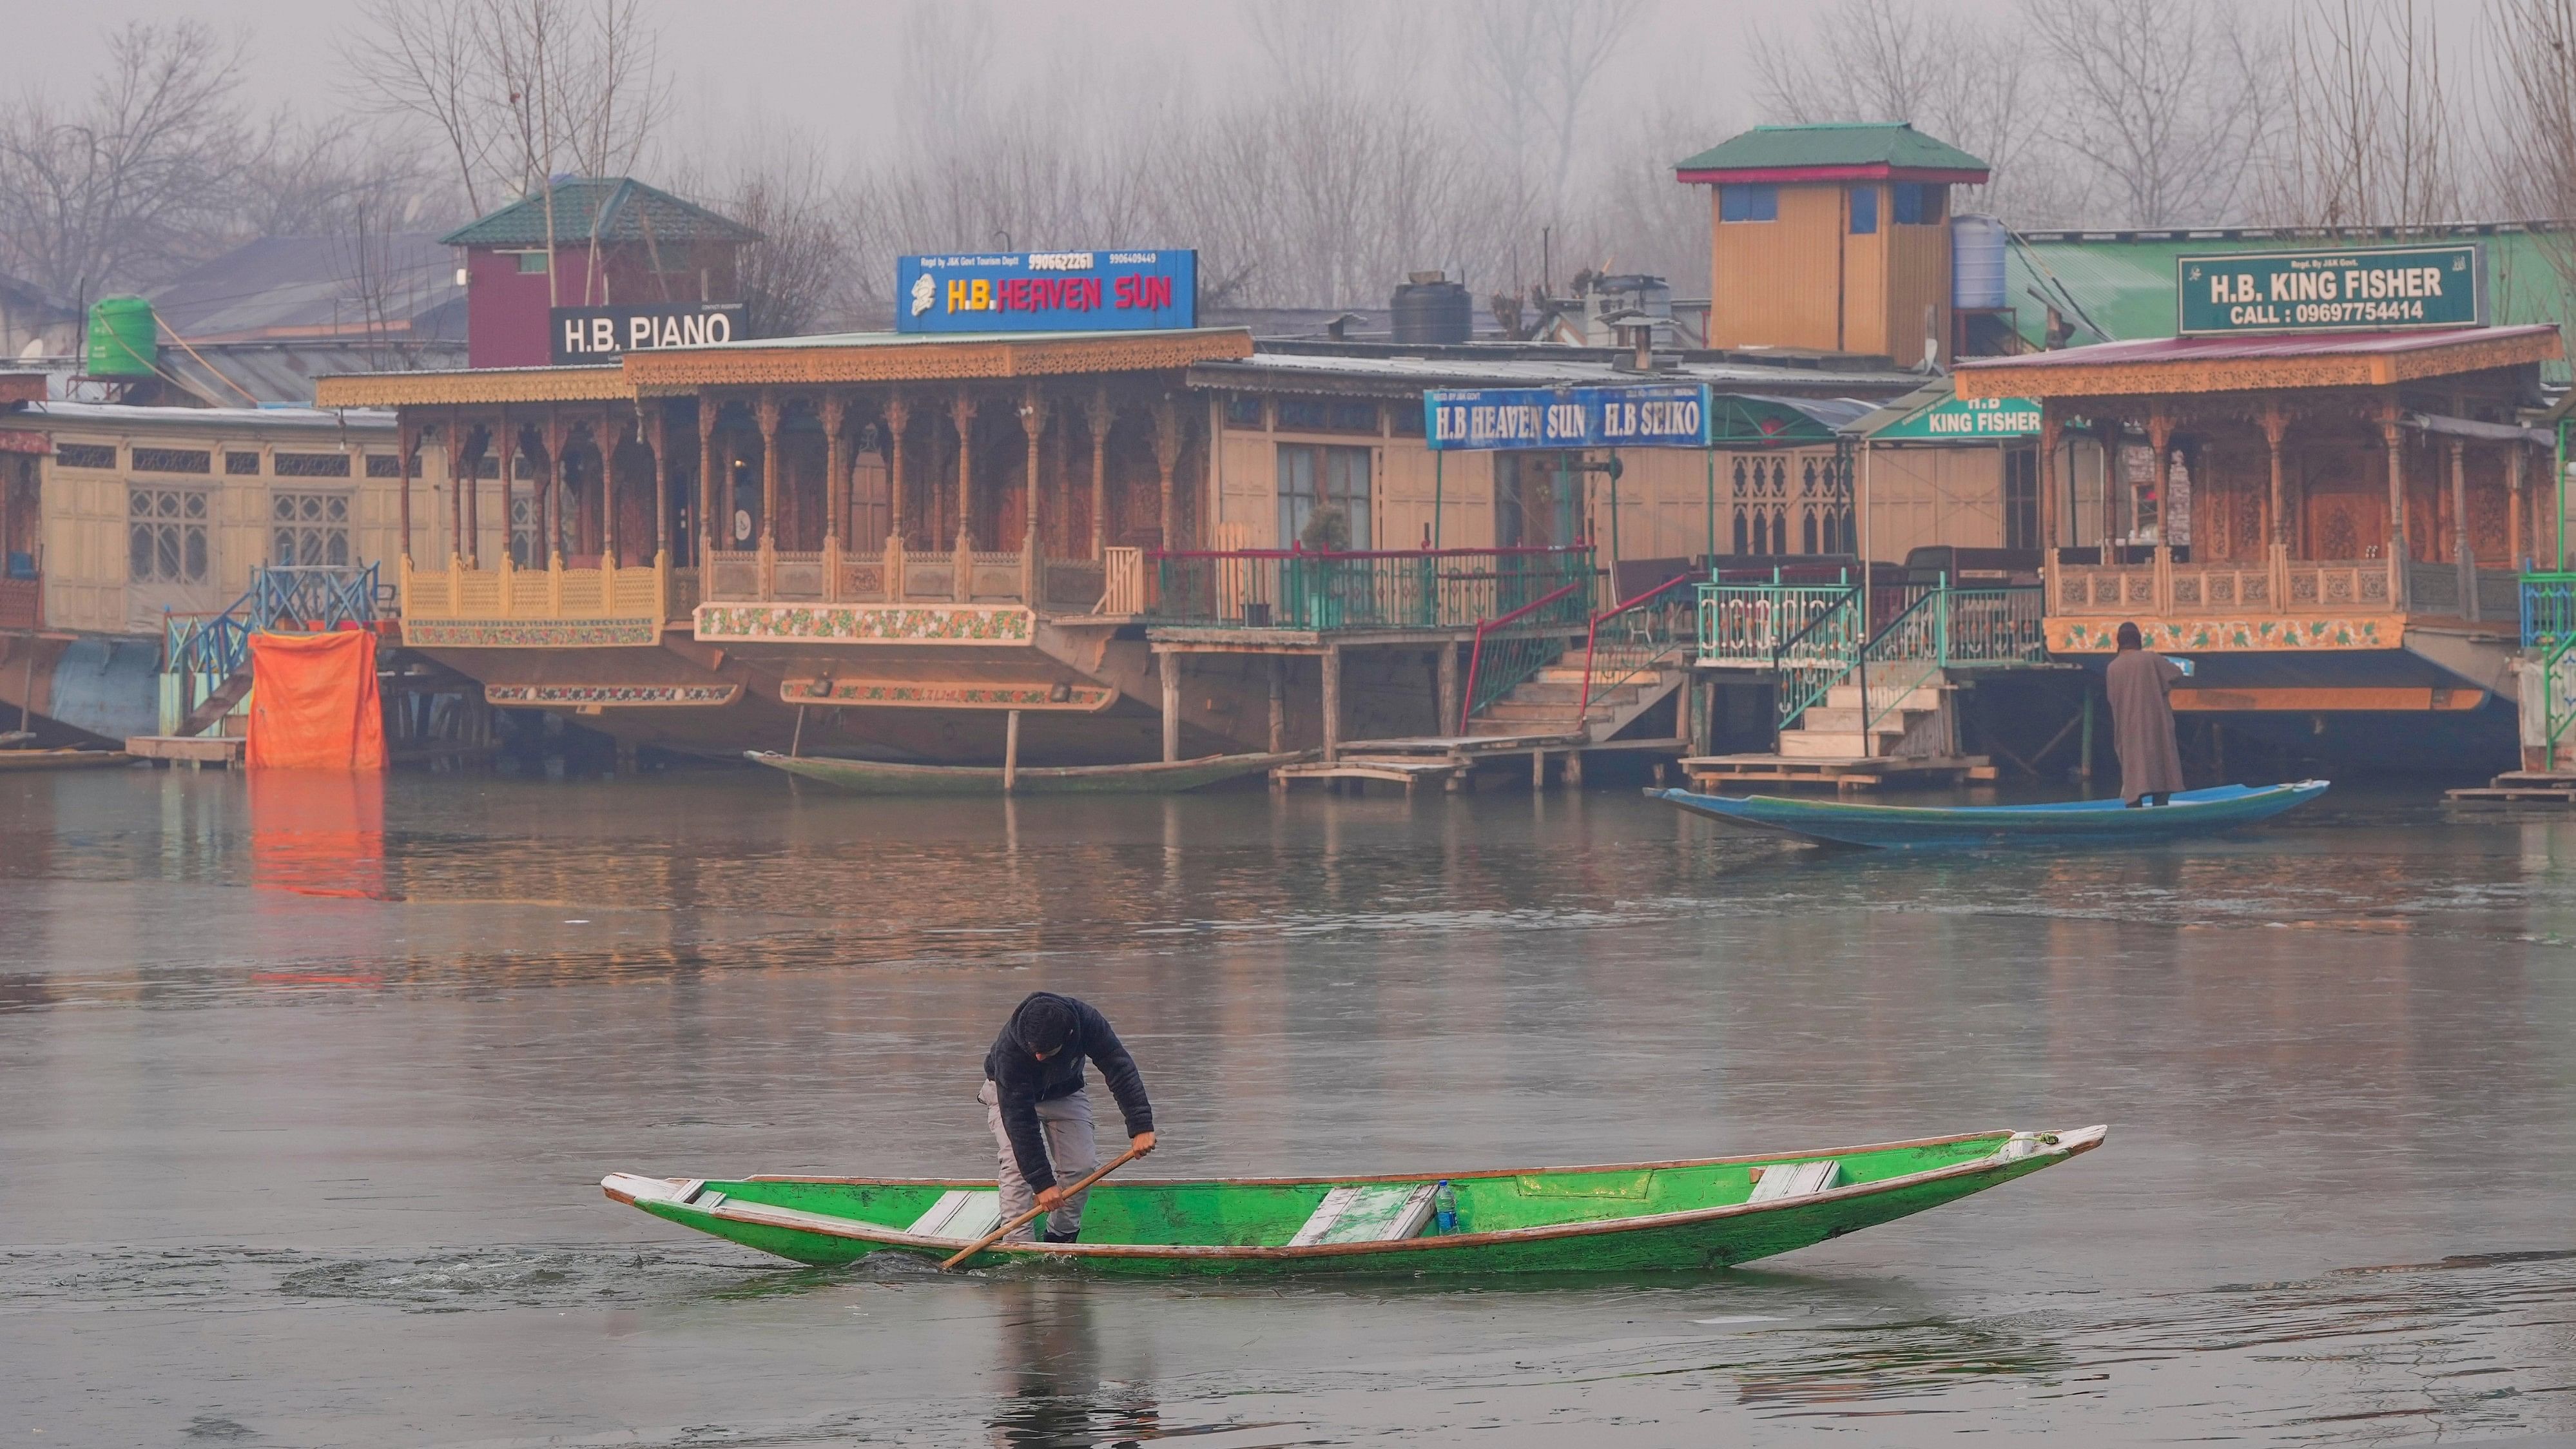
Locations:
(1976, 263)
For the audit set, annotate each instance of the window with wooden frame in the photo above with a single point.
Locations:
(165, 535)
(1315, 478)
(308, 530)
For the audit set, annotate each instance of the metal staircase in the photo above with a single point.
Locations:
(211, 652)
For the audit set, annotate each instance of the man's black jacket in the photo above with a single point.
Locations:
(1021, 1081)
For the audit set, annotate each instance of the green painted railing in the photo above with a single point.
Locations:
(1808, 664)
(1746, 624)
(1910, 652)
(1998, 626)
(2557, 696)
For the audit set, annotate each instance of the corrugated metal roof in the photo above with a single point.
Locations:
(1282, 369)
(617, 208)
(2237, 349)
(2123, 283)
(217, 419)
(1893, 144)
(305, 286)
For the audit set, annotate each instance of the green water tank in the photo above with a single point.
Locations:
(122, 341)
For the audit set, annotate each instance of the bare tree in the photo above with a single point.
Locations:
(423, 61)
(799, 277)
(2533, 161)
(2371, 139)
(136, 183)
(1879, 60)
(2161, 101)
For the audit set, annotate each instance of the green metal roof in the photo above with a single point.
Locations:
(2122, 283)
(1893, 144)
(620, 207)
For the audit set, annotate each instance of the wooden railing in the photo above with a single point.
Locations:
(22, 603)
(511, 593)
(2278, 585)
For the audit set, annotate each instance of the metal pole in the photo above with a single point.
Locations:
(1439, 470)
(1614, 527)
(1712, 510)
(2558, 530)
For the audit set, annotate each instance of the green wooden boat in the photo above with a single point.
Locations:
(1638, 1216)
(1153, 777)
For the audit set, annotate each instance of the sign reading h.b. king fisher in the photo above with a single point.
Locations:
(1655, 415)
(1046, 291)
(2398, 289)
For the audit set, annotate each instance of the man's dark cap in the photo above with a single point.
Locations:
(1043, 1023)
(2129, 637)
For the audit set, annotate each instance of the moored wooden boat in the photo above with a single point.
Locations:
(1155, 777)
(61, 759)
(1907, 827)
(1644, 1216)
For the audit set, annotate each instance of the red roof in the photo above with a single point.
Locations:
(2230, 349)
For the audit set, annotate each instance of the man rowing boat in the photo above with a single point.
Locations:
(1041, 1121)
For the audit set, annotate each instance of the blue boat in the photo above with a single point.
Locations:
(1913, 827)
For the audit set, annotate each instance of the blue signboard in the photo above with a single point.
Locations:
(1649, 415)
(1046, 291)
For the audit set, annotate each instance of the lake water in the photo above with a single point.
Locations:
(305, 1093)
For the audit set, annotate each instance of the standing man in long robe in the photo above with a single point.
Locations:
(2142, 722)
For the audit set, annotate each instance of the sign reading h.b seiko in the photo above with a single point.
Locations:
(2396, 289)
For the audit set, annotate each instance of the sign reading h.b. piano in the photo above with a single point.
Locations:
(604, 334)
(2396, 289)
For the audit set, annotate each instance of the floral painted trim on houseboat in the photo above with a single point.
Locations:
(1006, 624)
(2219, 636)
(570, 695)
(523, 634)
(913, 694)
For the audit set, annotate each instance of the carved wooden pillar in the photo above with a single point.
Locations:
(897, 414)
(836, 467)
(558, 438)
(1098, 414)
(658, 438)
(610, 434)
(2463, 555)
(2160, 437)
(1033, 421)
(2513, 510)
(1167, 452)
(460, 468)
(2051, 429)
(508, 465)
(2276, 426)
(961, 411)
(707, 412)
(2395, 438)
(408, 445)
(767, 411)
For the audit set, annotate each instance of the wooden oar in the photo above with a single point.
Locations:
(1015, 1224)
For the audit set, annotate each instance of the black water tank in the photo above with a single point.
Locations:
(1433, 309)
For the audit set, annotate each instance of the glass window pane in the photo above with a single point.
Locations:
(165, 561)
(196, 505)
(196, 555)
(1864, 210)
(138, 552)
(138, 504)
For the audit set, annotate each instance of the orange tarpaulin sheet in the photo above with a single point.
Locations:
(313, 703)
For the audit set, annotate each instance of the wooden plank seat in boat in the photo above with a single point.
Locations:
(960, 1213)
(1795, 1179)
(1373, 1212)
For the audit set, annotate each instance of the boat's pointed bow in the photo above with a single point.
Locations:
(629, 1187)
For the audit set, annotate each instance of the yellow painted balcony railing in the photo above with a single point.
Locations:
(508, 593)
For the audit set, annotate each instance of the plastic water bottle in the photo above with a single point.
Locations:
(1444, 1207)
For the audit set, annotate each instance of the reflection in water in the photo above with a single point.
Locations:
(1050, 1394)
(358, 1061)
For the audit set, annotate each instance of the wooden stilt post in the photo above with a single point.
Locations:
(1011, 753)
(1445, 663)
(1171, 707)
(1332, 703)
(1278, 704)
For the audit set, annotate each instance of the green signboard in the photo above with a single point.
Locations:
(2392, 290)
(1965, 420)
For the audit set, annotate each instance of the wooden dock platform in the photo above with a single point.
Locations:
(1709, 772)
(189, 750)
(60, 759)
(2519, 787)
